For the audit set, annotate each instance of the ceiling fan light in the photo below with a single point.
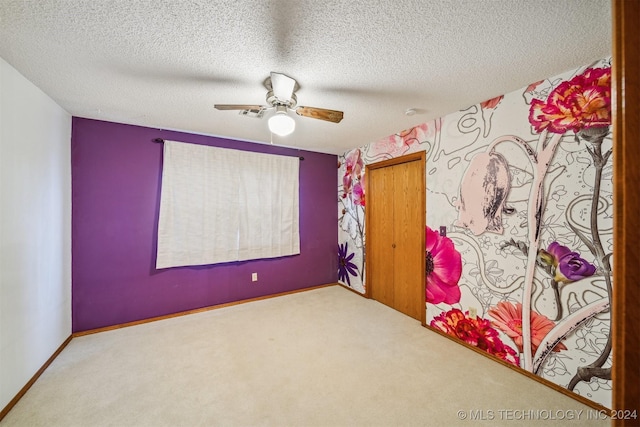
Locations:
(281, 123)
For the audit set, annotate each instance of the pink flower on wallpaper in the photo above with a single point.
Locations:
(358, 193)
(354, 163)
(400, 143)
(347, 182)
(353, 178)
(491, 103)
(533, 86)
(568, 266)
(508, 318)
(484, 189)
(410, 136)
(443, 269)
(580, 103)
(475, 331)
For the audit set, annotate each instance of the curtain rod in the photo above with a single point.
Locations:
(160, 141)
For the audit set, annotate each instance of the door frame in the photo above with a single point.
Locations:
(421, 157)
(626, 205)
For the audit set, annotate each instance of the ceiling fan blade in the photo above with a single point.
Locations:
(239, 107)
(283, 86)
(320, 113)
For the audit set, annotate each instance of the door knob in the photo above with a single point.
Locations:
(393, 245)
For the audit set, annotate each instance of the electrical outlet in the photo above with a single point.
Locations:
(254, 277)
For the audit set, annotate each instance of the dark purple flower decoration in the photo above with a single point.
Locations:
(569, 266)
(345, 266)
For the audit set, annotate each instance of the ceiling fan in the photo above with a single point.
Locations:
(281, 96)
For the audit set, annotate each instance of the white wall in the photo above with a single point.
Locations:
(35, 230)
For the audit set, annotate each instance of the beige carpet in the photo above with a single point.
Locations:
(325, 357)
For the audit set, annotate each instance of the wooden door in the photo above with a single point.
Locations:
(379, 243)
(409, 287)
(395, 234)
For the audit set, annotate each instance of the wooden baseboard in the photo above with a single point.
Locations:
(33, 379)
(197, 310)
(528, 374)
(351, 289)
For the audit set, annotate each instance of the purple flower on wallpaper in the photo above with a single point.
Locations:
(569, 266)
(444, 268)
(345, 267)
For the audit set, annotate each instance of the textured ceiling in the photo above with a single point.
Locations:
(165, 63)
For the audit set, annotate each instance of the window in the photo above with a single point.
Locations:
(219, 205)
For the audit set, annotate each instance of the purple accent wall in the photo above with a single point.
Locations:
(116, 172)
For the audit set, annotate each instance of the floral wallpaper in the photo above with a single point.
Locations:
(519, 225)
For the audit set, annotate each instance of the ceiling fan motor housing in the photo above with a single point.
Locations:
(275, 101)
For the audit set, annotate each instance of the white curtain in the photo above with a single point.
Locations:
(220, 205)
